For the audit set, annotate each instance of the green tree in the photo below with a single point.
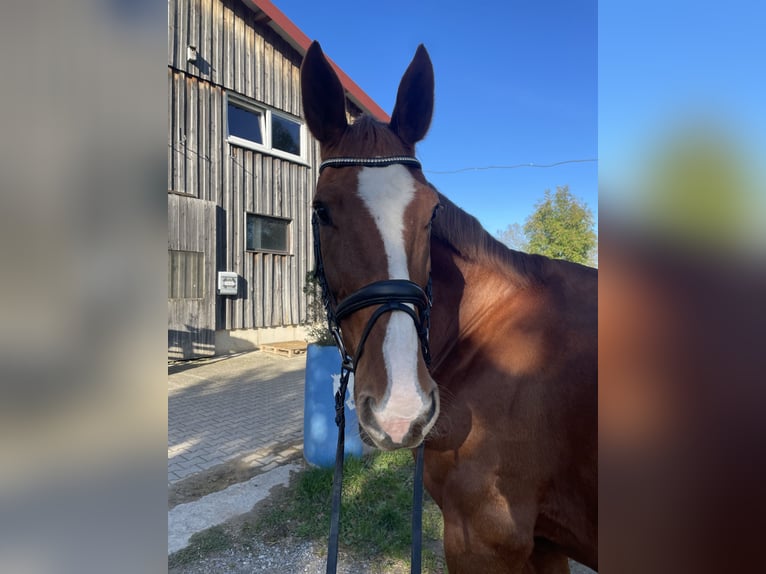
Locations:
(562, 227)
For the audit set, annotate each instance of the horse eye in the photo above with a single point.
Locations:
(322, 214)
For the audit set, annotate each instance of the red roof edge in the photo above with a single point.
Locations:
(298, 40)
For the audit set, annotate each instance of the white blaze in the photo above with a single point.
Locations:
(387, 191)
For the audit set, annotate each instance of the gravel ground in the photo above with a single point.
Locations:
(298, 557)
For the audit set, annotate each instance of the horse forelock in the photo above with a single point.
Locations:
(368, 137)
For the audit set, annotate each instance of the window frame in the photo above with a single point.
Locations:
(288, 234)
(267, 114)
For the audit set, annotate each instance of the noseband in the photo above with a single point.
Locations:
(389, 295)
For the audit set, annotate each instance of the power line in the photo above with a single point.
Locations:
(518, 165)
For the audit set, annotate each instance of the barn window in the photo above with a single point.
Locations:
(186, 274)
(265, 233)
(259, 128)
(245, 123)
(285, 134)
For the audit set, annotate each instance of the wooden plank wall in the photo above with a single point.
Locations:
(236, 51)
(191, 322)
(239, 54)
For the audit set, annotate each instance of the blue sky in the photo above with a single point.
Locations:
(668, 66)
(516, 83)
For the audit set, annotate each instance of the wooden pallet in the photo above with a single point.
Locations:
(285, 348)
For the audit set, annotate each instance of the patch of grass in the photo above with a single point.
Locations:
(376, 511)
(214, 539)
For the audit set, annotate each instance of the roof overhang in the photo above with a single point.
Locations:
(293, 35)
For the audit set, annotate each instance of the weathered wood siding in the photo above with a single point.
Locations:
(191, 322)
(236, 51)
(239, 54)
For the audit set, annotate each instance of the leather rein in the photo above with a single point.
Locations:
(389, 295)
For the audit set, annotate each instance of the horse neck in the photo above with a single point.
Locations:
(465, 291)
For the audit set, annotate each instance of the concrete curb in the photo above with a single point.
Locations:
(189, 518)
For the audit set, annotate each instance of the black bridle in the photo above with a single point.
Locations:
(389, 295)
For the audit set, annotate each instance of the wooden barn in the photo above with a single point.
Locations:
(241, 171)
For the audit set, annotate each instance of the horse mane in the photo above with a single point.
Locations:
(465, 235)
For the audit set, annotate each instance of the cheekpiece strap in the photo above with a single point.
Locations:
(369, 162)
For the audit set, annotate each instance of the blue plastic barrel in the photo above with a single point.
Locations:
(320, 434)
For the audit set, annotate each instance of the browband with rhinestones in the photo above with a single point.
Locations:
(369, 162)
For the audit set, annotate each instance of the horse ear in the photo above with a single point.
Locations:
(324, 100)
(415, 99)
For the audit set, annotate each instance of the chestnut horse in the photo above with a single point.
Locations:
(508, 408)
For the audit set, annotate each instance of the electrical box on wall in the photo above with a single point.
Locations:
(228, 283)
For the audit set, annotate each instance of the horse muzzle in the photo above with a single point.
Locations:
(391, 429)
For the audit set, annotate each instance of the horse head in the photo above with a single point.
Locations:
(374, 222)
